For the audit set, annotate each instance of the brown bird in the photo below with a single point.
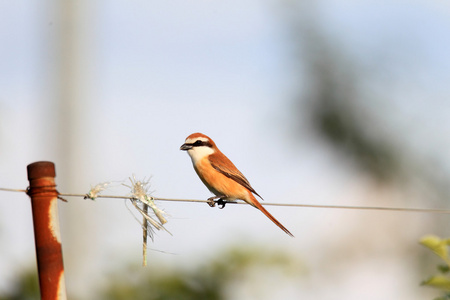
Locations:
(220, 175)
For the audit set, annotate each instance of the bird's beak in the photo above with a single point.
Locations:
(185, 147)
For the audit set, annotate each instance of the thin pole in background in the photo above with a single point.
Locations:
(44, 204)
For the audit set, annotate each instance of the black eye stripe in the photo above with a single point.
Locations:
(199, 143)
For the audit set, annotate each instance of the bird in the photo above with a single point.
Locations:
(221, 176)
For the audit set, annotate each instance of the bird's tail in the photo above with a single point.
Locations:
(258, 205)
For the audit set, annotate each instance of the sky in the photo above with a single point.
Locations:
(149, 73)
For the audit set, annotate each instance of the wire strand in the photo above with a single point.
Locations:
(13, 190)
(350, 207)
(422, 210)
(380, 208)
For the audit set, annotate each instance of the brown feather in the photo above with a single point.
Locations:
(223, 165)
(258, 205)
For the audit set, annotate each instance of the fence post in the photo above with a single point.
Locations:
(44, 204)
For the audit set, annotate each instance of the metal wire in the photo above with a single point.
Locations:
(379, 208)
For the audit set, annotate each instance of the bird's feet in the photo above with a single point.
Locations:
(211, 201)
(220, 201)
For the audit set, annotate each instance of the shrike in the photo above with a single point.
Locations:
(220, 175)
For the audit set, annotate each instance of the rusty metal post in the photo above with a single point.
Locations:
(44, 204)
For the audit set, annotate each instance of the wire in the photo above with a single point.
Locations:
(380, 208)
(13, 190)
(420, 210)
(401, 209)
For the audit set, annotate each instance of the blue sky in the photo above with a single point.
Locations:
(152, 72)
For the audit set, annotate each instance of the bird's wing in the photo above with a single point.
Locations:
(224, 166)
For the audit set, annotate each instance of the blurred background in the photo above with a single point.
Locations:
(316, 102)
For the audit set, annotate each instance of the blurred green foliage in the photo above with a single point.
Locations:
(26, 287)
(442, 279)
(332, 103)
(210, 280)
(336, 122)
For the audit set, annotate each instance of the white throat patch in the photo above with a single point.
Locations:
(198, 153)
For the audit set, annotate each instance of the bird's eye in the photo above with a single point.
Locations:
(197, 143)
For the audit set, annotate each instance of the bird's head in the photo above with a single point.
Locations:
(198, 146)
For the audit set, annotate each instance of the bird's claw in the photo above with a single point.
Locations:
(211, 202)
(220, 202)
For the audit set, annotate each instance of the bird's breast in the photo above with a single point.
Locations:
(218, 183)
